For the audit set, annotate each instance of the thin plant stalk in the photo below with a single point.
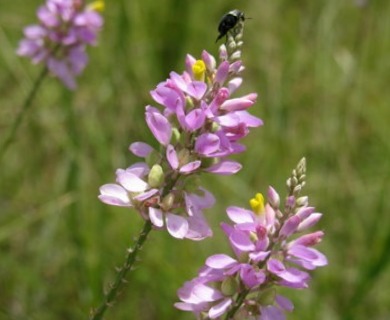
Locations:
(26, 105)
(120, 279)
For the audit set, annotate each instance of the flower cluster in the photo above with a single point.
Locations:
(270, 251)
(65, 28)
(198, 126)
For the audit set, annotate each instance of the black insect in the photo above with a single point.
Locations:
(228, 22)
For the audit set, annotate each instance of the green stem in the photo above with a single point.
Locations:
(240, 299)
(120, 280)
(26, 105)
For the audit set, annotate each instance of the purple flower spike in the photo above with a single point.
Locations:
(59, 40)
(268, 254)
(198, 124)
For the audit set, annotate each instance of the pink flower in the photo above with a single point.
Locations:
(65, 28)
(267, 256)
(197, 125)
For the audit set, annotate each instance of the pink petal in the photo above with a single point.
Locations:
(140, 149)
(198, 229)
(305, 212)
(209, 60)
(220, 261)
(196, 89)
(35, 32)
(220, 308)
(190, 167)
(207, 144)
(114, 195)
(206, 293)
(284, 303)
(159, 125)
(234, 84)
(271, 313)
(177, 226)
(131, 182)
(236, 104)
(240, 215)
(146, 195)
(168, 97)
(195, 119)
(242, 241)
(248, 119)
(140, 169)
(311, 255)
(172, 157)
(156, 216)
(310, 221)
(189, 62)
(290, 226)
(225, 167)
(259, 256)
(222, 72)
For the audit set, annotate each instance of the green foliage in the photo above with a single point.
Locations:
(322, 70)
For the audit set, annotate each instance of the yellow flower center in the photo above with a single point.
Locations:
(257, 204)
(97, 5)
(199, 69)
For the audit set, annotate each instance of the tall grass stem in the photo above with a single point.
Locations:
(26, 105)
(120, 279)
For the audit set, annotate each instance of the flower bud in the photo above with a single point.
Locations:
(297, 189)
(209, 61)
(294, 181)
(273, 198)
(167, 202)
(215, 127)
(290, 202)
(223, 53)
(229, 286)
(301, 167)
(303, 201)
(156, 176)
(236, 55)
(189, 103)
(175, 136)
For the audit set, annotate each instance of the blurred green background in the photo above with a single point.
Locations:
(322, 69)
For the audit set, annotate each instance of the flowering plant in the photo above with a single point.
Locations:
(267, 255)
(59, 41)
(199, 127)
(65, 28)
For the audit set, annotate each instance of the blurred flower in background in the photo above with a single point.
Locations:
(59, 41)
